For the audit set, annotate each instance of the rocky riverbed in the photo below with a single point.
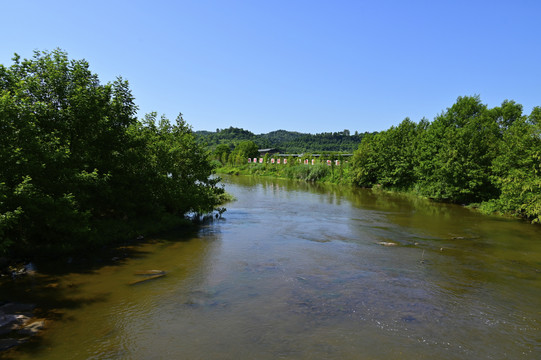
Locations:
(18, 324)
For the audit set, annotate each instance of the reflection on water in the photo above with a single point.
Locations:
(298, 271)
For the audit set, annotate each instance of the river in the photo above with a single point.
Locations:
(303, 271)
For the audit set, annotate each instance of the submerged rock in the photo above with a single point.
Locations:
(150, 272)
(31, 327)
(148, 275)
(17, 324)
(387, 243)
(8, 322)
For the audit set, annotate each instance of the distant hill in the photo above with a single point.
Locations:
(281, 136)
(290, 142)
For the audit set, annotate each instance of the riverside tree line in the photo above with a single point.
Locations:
(79, 170)
(470, 154)
(290, 142)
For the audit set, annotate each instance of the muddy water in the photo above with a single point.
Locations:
(295, 271)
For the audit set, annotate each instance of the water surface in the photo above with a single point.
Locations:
(299, 271)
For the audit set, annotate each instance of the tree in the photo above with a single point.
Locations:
(290, 142)
(398, 149)
(388, 157)
(456, 152)
(244, 150)
(517, 168)
(177, 168)
(64, 132)
(78, 169)
(506, 114)
(366, 162)
(221, 153)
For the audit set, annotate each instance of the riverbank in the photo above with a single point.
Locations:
(34, 295)
(343, 175)
(107, 235)
(23, 314)
(320, 173)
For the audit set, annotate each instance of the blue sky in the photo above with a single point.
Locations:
(309, 66)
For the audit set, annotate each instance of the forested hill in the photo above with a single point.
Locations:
(290, 142)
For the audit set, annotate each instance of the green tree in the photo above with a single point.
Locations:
(396, 154)
(517, 168)
(221, 153)
(506, 114)
(177, 168)
(244, 150)
(75, 163)
(456, 152)
(366, 162)
(63, 133)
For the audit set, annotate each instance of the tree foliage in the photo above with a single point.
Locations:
(517, 168)
(74, 159)
(456, 152)
(244, 150)
(468, 154)
(289, 142)
(388, 157)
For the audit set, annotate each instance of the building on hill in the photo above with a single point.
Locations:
(274, 151)
(271, 151)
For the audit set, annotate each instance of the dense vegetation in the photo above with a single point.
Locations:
(78, 169)
(330, 167)
(469, 154)
(287, 142)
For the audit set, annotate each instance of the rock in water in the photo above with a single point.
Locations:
(148, 278)
(150, 272)
(387, 243)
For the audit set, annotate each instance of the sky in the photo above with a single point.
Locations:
(309, 66)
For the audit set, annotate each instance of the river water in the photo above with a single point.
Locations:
(299, 271)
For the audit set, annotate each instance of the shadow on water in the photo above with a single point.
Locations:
(60, 287)
(297, 270)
